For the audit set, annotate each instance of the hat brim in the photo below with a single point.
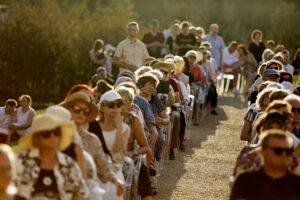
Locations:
(93, 108)
(163, 65)
(67, 134)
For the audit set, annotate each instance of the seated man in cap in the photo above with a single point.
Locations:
(271, 75)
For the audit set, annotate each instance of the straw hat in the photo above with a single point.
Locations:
(81, 96)
(45, 122)
(179, 62)
(163, 65)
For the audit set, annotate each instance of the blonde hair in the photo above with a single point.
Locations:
(129, 92)
(278, 95)
(8, 152)
(276, 104)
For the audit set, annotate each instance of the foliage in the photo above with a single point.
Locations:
(44, 44)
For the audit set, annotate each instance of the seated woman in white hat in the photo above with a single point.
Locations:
(42, 170)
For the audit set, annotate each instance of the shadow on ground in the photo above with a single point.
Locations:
(174, 170)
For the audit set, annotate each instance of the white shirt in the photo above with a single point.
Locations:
(132, 52)
(4, 120)
(289, 68)
(229, 58)
(22, 119)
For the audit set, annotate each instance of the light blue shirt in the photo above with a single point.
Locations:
(217, 46)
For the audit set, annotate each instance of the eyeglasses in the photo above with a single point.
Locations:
(278, 150)
(296, 109)
(47, 134)
(113, 105)
(84, 111)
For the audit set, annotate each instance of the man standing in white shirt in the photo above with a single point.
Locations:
(6, 114)
(131, 52)
(229, 56)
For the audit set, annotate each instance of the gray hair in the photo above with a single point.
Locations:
(132, 24)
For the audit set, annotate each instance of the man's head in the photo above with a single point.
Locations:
(271, 44)
(10, 106)
(185, 27)
(232, 46)
(276, 149)
(294, 100)
(133, 29)
(214, 29)
(154, 25)
(102, 73)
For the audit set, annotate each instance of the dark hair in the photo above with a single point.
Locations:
(273, 116)
(185, 24)
(271, 42)
(147, 77)
(103, 86)
(186, 63)
(297, 56)
(98, 44)
(244, 49)
(11, 103)
(233, 43)
(254, 32)
(279, 48)
(78, 87)
(283, 73)
(25, 96)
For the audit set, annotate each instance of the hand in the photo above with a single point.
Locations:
(120, 187)
(119, 121)
(158, 120)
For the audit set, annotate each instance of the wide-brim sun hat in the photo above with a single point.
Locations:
(110, 96)
(46, 122)
(165, 65)
(83, 97)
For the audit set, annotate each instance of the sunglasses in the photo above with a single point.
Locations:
(164, 72)
(278, 151)
(47, 134)
(113, 105)
(194, 57)
(84, 111)
(296, 109)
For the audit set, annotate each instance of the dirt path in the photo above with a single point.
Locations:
(202, 171)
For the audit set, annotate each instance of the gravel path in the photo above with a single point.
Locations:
(202, 171)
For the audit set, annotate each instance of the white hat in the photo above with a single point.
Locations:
(110, 96)
(44, 122)
(61, 112)
(109, 47)
(288, 86)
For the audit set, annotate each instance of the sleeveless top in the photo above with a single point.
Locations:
(70, 151)
(110, 139)
(45, 186)
(22, 119)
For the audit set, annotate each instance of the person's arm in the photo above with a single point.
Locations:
(122, 138)
(80, 160)
(140, 136)
(95, 60)
(246, 129)
(153, 134)
(171, 97)
(26, 125)
(162, 118)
